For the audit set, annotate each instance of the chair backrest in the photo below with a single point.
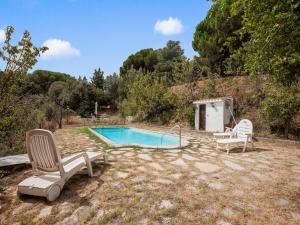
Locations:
(244, 127)
(42, 150)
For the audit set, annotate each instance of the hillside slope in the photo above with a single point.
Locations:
(246, 93)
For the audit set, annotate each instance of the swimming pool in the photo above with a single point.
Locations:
(122, 136)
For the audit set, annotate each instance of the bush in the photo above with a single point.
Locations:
(189, 114)
(149, 100)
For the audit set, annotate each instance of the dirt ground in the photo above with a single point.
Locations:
(194, 185)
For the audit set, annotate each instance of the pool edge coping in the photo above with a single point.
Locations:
(184, 142)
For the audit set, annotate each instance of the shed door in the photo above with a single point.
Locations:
(202, 115)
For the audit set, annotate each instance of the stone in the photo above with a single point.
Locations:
(80, 214)
(156, 166)
(295, 215)
(216, 185)
(141, 168)
(122, 175)
(179, 162)
(228, 212)
(191, 188)
(202, 177)
(138, 178)
(246, 180)
(260, 176)
(206, 167)
(295, 183)
(176, 176)
(163, 181)
(222, 222)
(232, 165)
(129, 154)
(145, 157)
(282, 202)
(165, 204)
(188, 157)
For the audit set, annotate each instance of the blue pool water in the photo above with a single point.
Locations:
(133, 136)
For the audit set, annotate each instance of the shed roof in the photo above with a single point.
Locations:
(210, 100)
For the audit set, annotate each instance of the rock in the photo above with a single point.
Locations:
(80, 214)
(188, 157)
(165, 204)
(138, 178)
(216, 185)
(156, 166)
(281, 202)
(222, 222)
(163, 181)
(176, 176)
(122, 175)
(206, 167)
(260, 176)
(228, 212)
(295, 215)
(232, 165)
(145, 157)
(129, 154)
(179, 162)
(46, 211)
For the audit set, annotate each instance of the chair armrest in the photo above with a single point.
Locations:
(228, 129)
(73, 157)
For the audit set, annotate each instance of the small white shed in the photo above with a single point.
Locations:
(213, 115)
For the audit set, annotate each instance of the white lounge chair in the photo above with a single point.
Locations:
(243, 134)
(50, 171)
(230, 132)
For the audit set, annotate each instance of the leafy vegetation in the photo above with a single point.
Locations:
(255, 38)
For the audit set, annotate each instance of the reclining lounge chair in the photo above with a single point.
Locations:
(50, 171)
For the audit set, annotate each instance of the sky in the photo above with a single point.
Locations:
(83, 35)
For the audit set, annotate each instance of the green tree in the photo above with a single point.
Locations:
(98, 79)
(274, 47)
(144, 60)
(60, 96)
(111, 86)
(217, 38)
(17, 112)
(40, 80)
(280, 105)
(171, 62)
(150, 100)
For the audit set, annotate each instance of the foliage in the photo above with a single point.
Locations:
(40, 80)
(17, 112)
(280, 105)
(216, 38)
(111, 87)
(171, 63)
(144, 60)
(274, 47)
(98, 79)
(148, 99)
(19, 58)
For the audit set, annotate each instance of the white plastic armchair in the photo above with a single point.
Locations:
(244, 135)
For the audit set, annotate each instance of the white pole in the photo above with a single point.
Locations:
(96, 108)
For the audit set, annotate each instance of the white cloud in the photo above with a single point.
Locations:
(59, 49)
(2, 35)
(169, 27)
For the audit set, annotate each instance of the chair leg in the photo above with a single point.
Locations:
(245, 146)
(252, 144)
(227, 148)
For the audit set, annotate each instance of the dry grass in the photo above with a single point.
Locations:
(134, 190)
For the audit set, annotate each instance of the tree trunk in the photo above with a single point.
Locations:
(286, 128)
(60, 119)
